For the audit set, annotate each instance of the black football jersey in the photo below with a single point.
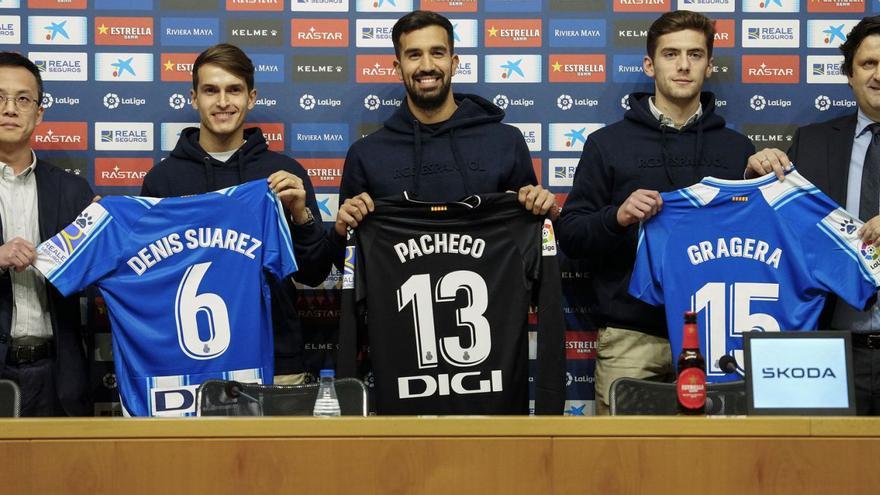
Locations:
(441, 292)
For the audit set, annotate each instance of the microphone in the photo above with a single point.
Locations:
(728, 365)
(234, 390)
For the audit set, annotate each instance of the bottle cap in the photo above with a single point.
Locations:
(328, 373)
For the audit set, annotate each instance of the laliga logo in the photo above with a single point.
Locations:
(501, 101)
(111, 100)
(568, 379)
(177, 101)
(372, 102)
(758, 102)
(624, 102)
(564, 102)
(822, 103)
(869, 252)
(307, 102)
(109, 380)
(47, 100)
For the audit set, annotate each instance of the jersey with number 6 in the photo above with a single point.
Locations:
(752, 255)
(444, 291)
(184, 283)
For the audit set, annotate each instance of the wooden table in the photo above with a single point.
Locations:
(444, 455)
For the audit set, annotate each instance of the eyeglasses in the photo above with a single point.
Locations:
(21, 103)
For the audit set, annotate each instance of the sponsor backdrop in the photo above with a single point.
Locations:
(117, 78)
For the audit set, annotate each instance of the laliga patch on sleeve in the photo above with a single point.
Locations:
(548, 239)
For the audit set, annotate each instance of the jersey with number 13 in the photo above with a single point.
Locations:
(184, 283)
(753, 255)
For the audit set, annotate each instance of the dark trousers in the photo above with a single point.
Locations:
(36, 380)
(866, 371)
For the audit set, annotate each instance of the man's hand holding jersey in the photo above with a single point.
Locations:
(292, 193)
(766, 161)
(353, 211)
(538, 200)
(640, 206)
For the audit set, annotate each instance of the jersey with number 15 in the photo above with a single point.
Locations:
(752, 255)
(184, 283)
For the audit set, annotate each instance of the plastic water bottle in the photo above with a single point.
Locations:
(327, 404)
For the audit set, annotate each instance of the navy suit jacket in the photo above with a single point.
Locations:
(60, 198)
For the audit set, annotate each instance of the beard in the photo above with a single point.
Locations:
(428, 101)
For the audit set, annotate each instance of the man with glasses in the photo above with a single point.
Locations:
(40, 341)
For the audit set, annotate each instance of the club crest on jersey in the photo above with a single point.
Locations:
(348, 267)
(548, 239)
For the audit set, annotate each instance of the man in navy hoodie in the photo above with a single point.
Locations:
(222, 153)
(666, 141)
(438, 146)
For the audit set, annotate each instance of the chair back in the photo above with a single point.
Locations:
(632, 396)
(10, 399)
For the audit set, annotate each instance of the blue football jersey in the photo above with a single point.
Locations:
(751, 255)
(184, 283)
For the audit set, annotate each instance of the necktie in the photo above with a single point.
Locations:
(869, 199)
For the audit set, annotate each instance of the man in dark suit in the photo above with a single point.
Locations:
(41, 348)
(842, 158)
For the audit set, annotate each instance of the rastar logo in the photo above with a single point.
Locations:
(324, 172)
(57, 4)
(725, 33)
(177, 66)
(576, 68)
(376, 69)
(273, 133)
(258, 5)
(771, 69)
(133, 31)
(319, 33)
(121, 171)
(512, 33)
(60, 136)
(449, 5)
(836, 6)
(642, 5)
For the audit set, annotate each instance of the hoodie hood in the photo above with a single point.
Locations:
(640, 113)
(472, 111)
(189, 149)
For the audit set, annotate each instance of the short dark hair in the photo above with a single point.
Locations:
(680, 20)
(15, 59)
(866, 27)
(419, 19)
(229, 58)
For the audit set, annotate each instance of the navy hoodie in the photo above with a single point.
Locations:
(638, 153)
(191, 170)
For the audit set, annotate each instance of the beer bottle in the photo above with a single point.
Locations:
(691, 383)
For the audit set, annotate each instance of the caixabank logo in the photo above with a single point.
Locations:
(828, 33)
(268, 67)
(707, 5)
(771, 6)
(516, 68)
(61, 136)
(176, 67)
(384, 5)
(323, 172)
(57, 30)
(571, 136)
(320, 68)
(319, 5)
(465, 33)
(123, 136)
(58, 66)
(449, 5)
(577, 33)
(376, 69)
(132, 31)
(771, 69)
(331, 33)
(763, 136)
(512, 33)
(255, 32)
(319, 137)
(855, 6)
(642, 5)
(825, 69)
(374, 33)
(531, 132)
(10, 29)
(776, 33)
(273, 133)
(121, 172)
(189, 31)
(577, 68)
(258, 5)
(124, 67)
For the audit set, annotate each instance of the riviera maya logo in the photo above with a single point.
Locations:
(869, 252)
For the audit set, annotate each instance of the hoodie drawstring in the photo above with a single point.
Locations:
(664, 153)
(417, 156)
(209, 172)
